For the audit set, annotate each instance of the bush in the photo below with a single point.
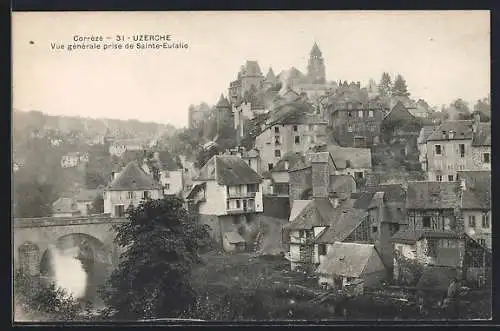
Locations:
(38, 297)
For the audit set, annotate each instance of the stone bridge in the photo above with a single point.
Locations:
(38, 234)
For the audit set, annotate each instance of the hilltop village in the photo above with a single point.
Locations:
(358, 186)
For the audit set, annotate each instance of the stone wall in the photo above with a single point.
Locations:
(477, 158)
(320, 179)
(300, 181)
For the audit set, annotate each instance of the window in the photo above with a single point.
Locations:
(439, 178)
(349, 114)
(360, 113)
(426, 222)
(277, 140)
(349, 128)
(270, 166)
(432, 248)
(276, 129)
(472, 221)
(277, 153)
(374, 229)
(167, 186)
(481, 242)
(249, 163)
(130, 195)
(450, 178)
(461, 148)
(310, 127)
(437, 149)
(297, 139)
(485, 221)
(486, 158)
(370, 113)
(120, 211)
(238, 204)
(252, 188)
(322, 249)
(295, 128)
(145, 195)
(358, 175)
(227, 204)
(104, 195)
(301, 234)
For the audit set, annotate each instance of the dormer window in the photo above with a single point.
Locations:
(276, 129)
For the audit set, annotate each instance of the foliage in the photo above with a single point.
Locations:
(32, 198)
(399, 88)
(385, 84)
(94, 179)
(161, 244)
(483, 107)
(410, 270)
(37, 297)
(97, 205)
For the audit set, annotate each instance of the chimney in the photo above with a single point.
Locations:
(476, 121)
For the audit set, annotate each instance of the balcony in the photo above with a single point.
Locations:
(234, 195)
(235, 211)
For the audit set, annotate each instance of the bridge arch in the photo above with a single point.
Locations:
(95, 257)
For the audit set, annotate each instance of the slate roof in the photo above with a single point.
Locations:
(223, 102)
(347, 259)
(64, 205)
(252, 69)
(425, 132)
(133, 178)
(228, 170)
(166, 161)
(306, 215)
(409, 236)
(392, 192)
(477, 194)
(291, 157)
(482, 136)
(436, 278)
(355, 158)
(398, 111)
(462, 130)
(432, 195)
(341, 184)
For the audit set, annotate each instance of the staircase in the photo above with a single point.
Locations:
(258, 242)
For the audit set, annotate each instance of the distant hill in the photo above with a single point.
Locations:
(25, 122)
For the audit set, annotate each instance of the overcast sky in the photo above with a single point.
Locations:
(442, 56)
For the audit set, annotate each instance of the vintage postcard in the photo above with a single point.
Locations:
(251, 166)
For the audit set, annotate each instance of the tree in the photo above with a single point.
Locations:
(459, 110)
(93, 179)
(385, 85)
(32, 198)
(483, 107)
(97, 205)
(399, 88)
(161, 244)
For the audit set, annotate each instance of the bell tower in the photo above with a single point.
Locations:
(316, 68)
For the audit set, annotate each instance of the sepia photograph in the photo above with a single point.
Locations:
(232, 166)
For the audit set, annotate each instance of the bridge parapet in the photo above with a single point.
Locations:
(65, 221)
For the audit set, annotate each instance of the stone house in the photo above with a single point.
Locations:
(351, 265)
(481, 147)
(435, 235)
(291, 127)
(476, 205)
(73, 159)
(85, 198)
(425, 132)
(226, 195)
(400, 126)
(65, 207)
(128, 188)
(280, 178)
(166, 169)
(248, 76)
(458, 145)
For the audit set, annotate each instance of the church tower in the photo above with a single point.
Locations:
(316, 68)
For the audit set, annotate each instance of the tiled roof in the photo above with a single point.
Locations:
(461, 129)
(348, 259)
(477, 194)
(482, 136)
(133, 178)
(436, 278)
(64, 205)
(229, 170)
(409, 236)
(432, 195)
(291, 157)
